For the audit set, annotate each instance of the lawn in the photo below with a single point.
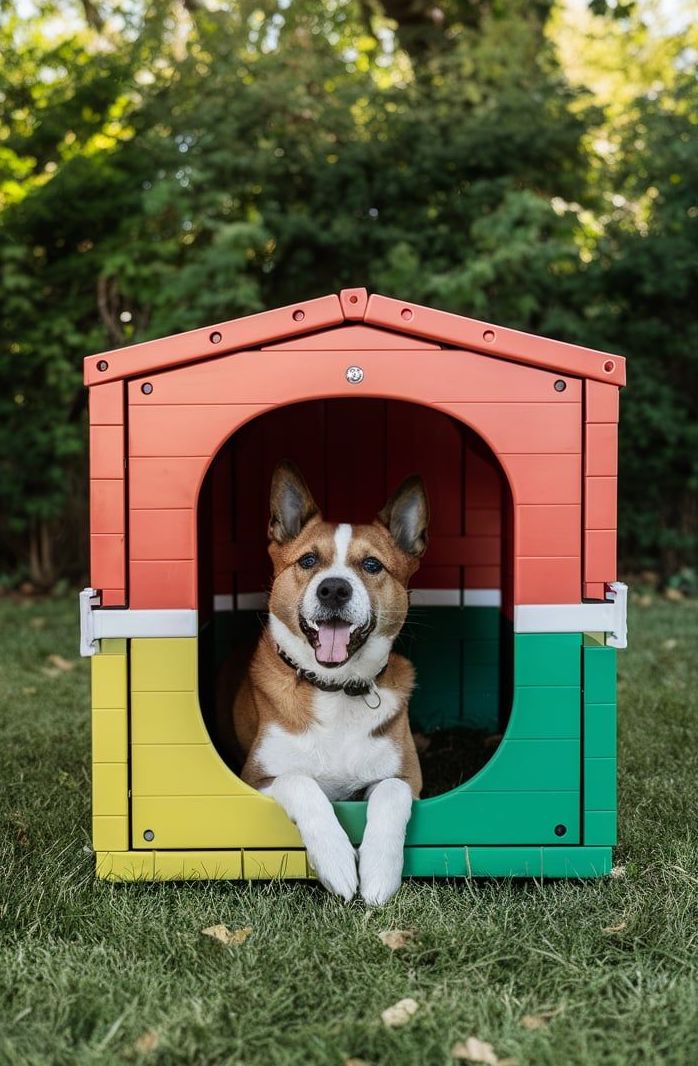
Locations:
(99, 973)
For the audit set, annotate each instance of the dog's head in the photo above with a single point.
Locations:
(339, 596)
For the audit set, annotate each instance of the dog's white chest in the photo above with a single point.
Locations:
(338, 749)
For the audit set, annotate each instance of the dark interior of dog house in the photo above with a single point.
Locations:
(353, 454)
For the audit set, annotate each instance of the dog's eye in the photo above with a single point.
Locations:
(307, 561)
(371, 565)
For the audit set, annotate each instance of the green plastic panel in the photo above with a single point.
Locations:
(600, 784)
(574, 862)
(600, 827)
(600, 730)
(599, 675)
(545, 713)
(547, 659)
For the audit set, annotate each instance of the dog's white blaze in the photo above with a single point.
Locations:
(342, 537)
(358, 610)
(337, 750)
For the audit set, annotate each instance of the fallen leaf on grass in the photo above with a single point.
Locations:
(229, 937)
(147, 1042)
(37, 623)
(400, 1013)
(61, 664)
(538, 1021)
(397, 938)
(673, 595)
(474, 1050)
(618, 871)
(615, 928)
(670, 644)
(29, 692)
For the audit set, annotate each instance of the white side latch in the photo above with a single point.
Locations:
(617, 593)
(89, 599)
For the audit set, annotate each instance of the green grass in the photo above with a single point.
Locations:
(86, 967)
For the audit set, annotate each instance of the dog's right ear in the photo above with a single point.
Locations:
(291, 503)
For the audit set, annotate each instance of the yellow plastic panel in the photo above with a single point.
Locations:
(109, 735)
(212, 822)
(198, 865)
(109, 789)
(125, 865)
(264, 865)
(166, 717)
(109, 681)
(163, 664)
(183, 770)
(110, 833)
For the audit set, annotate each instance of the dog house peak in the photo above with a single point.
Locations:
(327, 317)
(516, 436)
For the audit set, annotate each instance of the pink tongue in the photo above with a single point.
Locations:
(333, 642)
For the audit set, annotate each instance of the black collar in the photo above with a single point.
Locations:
(352, 688)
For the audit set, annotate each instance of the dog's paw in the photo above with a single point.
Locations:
(334, 862)
(380, 874)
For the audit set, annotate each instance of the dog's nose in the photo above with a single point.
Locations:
(334, 592)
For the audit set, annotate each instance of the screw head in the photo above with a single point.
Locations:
(354, 375)
(102, 365)
(609, 366)
(149, 834)
(215, 337)
(560, 385)
(560, 830)
(298, 316)
(147, 388)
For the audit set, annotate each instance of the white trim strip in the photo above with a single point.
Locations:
(482, 597)
(609, 617)
(102, 623)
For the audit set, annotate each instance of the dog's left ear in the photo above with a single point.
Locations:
(406, 515)
(291, 504)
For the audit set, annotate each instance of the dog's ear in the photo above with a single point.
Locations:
(291, 503)
(406, 515)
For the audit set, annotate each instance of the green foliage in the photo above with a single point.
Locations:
(167, 165)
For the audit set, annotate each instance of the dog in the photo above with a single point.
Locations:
(322, 713)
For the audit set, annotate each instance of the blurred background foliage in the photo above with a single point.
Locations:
(164, 165)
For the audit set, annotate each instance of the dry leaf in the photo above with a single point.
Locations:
(397, 938)
(37, 623)
(615, 928)
(618, 871)
(673, 595)
(400, 1013)
(474, 1050)
(64, 665)
(670, 644)
(29, 692)
(147, 1042)
(645, 600)
(533, 1021)
(229, 937)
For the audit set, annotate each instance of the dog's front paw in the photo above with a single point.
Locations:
(334, 862)
(380, 874)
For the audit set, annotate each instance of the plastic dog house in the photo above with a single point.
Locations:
(518, 616)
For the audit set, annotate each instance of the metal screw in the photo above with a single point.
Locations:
(560, 830)
(560, 385)
(298, 316)
(354, 375)
(149, 834)
(102, 365)
(215, 337)
(147, 388)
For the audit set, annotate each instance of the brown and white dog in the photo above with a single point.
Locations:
(321, 714)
